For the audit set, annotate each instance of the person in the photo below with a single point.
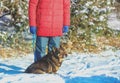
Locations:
(48, 19)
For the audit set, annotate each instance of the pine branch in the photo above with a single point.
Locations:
(8, 13)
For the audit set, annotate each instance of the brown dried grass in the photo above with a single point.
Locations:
(15, 52)
(101, 43)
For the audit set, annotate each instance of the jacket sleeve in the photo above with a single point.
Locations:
(32, 12)
(66, 17)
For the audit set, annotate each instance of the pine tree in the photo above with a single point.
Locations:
(15, 11)
(88, 19)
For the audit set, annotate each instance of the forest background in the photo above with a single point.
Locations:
(89, 30)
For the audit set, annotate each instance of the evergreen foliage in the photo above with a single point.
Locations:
(88, 20)
(13, 14)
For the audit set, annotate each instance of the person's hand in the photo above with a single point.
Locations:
(65, 29)
(33, 29)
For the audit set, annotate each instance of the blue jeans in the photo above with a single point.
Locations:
(42, 43)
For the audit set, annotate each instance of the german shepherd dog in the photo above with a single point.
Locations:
(49, 63)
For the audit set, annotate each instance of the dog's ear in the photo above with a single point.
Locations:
(63, 52)
(55, 51)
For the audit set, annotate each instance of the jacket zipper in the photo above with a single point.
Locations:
(52, 16)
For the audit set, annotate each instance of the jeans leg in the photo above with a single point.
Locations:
(53, 42)
(40, 50)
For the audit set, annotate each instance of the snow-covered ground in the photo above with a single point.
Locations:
(76, 68)
(113, 22)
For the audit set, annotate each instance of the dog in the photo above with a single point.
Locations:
(49, 63)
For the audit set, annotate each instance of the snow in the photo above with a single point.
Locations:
(76, 68)
(113, 22)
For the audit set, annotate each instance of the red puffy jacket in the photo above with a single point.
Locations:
(49, 16)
